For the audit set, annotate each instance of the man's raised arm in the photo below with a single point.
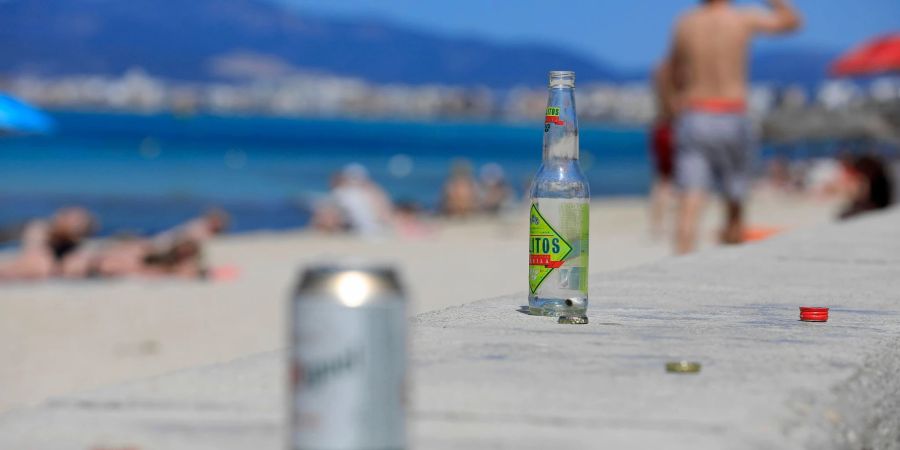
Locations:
(781, 18)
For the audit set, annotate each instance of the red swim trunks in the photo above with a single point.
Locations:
(663, 144)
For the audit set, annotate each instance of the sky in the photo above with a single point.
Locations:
(628, 33)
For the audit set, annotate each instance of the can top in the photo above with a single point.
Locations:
(813, 309)
(352, 285)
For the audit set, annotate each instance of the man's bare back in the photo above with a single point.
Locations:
(707, 76)
(709, 52)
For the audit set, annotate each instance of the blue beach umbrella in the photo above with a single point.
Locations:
(17, 117)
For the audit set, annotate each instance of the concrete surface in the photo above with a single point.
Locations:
(488, 376)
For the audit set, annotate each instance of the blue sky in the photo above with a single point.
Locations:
(628, 33)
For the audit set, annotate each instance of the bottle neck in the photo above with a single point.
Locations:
(561, 125)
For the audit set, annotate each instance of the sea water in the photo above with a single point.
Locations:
(146, 173)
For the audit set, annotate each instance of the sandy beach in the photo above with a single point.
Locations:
(64, 336)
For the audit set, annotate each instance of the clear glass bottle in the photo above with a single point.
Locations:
(560, 206)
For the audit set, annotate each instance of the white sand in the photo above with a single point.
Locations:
(63, 336)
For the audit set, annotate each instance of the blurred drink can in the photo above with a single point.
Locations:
(348, 360)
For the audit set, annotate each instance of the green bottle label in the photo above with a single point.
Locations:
(548, 250)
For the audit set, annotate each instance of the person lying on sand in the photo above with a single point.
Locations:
(53, 249)
(873, 188)
(176, 252)
(173, 253)
(132, 257)
(46, 244)
(201, 229)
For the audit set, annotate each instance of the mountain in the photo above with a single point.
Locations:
(206, 40)
(203, 40)
(802, 66)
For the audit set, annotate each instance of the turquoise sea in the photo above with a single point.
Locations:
(144, 173)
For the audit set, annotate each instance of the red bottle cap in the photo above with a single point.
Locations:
(813, 314)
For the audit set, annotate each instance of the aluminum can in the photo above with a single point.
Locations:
(348, 357)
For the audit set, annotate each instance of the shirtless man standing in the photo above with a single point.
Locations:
(714, 139)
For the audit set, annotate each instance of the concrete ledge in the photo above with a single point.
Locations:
(487, 376)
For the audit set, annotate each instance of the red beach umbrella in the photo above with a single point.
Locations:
(877, 56)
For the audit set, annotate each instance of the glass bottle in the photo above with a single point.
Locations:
(560, 206)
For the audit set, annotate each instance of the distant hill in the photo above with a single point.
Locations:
(203, 40)
(220, 39)
(802, 66)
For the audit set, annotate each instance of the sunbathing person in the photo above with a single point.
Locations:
(142, 258)
(176, 252)
(53, 249)
(201, 229)
(873, 189)
(46, 244)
